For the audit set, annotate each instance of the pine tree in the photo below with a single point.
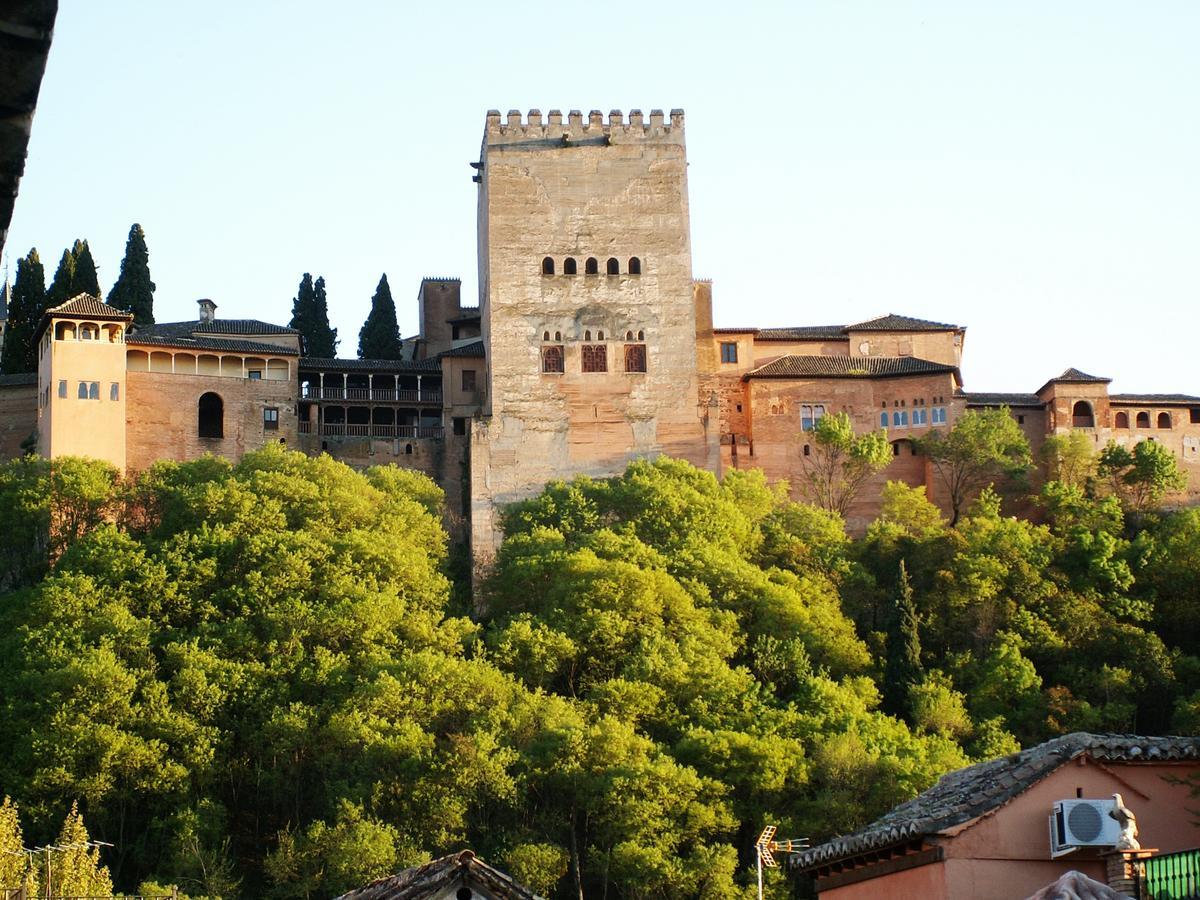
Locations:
(64, 276)
(26, 304)
(133, 290)
(323, 343)
(902, 670)
(77, 872)
(379, 337)
(84, 279)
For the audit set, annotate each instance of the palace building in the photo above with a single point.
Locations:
(592, 344)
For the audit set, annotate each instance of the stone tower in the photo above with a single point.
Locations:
(588, 318)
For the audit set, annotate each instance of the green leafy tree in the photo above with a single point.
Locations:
(133, 290)
(1068, 459)
(982, 447)
(17, 867)
(903, 671)
(77, 871)
(26, 304)
(840, 462)
(1141, 478)
(84, 279)
(379, 337)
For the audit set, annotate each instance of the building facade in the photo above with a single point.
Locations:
(592, 345)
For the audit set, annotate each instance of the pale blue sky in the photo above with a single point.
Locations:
(1026, 169)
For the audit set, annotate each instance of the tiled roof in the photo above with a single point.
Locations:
(968, 793)
(993, 399)
(802, 333)
(1075, 376)
(216, 326)
(467, 315)
(473, 349)
(210, 343)
(1153, 399)
(371, 365)
(847, 367)
(433, 879)
(893, 322)
(18, 380)
(88, 307)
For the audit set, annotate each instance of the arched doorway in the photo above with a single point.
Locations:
(212, 416)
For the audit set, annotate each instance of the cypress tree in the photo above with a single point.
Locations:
(26, 303)
(379, 337)
(60, 288)
(84, 279)
(324, 339)
(302, 307)
(133, 291)
(902, 669)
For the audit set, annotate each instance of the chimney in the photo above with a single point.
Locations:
(208, 310)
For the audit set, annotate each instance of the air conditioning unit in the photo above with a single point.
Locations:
(1082, 823)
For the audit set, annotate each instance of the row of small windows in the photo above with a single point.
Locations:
(591, 266)
(89, 390)
(593, 358)
(587, 335)
(1142, 420)
(921, 415)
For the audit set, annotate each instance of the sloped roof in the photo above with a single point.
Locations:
(18, 380)
(968, 793)
(893, 322)
(433, 877)
(996, 399)
(847, 367)
(1153, 399)
(473, 349)
(85, 306)
(1075, 376)
(371, 365)
(802, 333)
(216, 326)
(141, 339)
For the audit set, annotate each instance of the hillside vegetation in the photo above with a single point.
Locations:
(253, 679)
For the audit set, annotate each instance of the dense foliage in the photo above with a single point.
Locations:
(26, 303)
(253, 680)
(133, 291)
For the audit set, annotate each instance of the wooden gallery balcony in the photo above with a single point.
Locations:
(379, 399)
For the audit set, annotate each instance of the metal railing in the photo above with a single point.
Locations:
(1172, 876)
(382, 395)
(383, 432)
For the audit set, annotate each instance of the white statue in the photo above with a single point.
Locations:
(1128, 822)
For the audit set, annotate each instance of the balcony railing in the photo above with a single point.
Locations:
(382, 395)
(382, 432)
(1172, 876)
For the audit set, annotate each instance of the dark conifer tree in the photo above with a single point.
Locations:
(133, 291)
(64, 277)
(84, 279)
(26, 303)
(379, 337)
(302, 307)
(902, 670)
(324, 339)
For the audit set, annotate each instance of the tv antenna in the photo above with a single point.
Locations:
(767, 845)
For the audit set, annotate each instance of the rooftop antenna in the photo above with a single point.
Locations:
(766, 845)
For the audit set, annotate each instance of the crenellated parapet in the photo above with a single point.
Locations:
(615, 128)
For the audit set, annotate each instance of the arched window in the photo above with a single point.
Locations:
(558, 335)
(569, 267)
(408, 449)
(552, 359)
(548, 265)
(88, 332)
(587, 335)
(635, 266)
(212, 416)
(641, 335)
(599, 335)
(629, 335)
(1143, 420)
(1081, 415)
(1164, 420)
(545, 335)
(1122, 420)
(591, 267)
(614, 267)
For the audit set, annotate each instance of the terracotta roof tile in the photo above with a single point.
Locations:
(473, 349)
(140, 339)
(433, 878)
(847, 367)
(893, 322)
(997, 399)
(371, 365)
(1153, 399)
(89, 307)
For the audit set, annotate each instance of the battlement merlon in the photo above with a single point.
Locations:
(616, 128)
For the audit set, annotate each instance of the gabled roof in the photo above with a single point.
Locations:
(473, 349)
(1154, 399)
(140, 339)
(847, 367)
(85, 306)
(966, 794)
(371, 365)
(996, 399)
(434, 877)
(893, 322)
(1074, 376)
(216, 326)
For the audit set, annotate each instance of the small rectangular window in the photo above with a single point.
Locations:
(468, 380)
(595, 357)
(1020, 420)
(271, 418)
(728, 352)
(459, 425)
(114, 391)
(93, 390)
(552, 358)
(1194, 413)
(635, 357)
(62, 390)
(254, 374)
